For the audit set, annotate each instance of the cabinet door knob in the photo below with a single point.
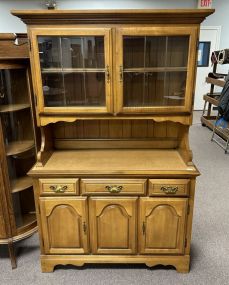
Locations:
(58, 188)
(169, 189)
(114, 188)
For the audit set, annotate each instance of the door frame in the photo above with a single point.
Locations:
(71, 31)
(151, 31)
(215, 28)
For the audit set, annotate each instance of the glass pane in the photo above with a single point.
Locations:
(10, 82)
(93, 52)
(133, 89)
(155, 52)
(49, 52)
(177, 54)
(17, 132)
(17, 126)
(154, 89)
(53, 89)
(72, 52)
(74, 89)
(133, 52)
(77, 75)
(24, 207)
(175, 88)
(95, 89)
(155, 70)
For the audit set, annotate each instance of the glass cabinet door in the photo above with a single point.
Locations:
(155, 70)
(17, 138)
(74, 70)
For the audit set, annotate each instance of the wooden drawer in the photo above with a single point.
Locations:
(113, 186)
(57, 186)
(169, 187)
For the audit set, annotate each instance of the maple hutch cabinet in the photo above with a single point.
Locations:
(114, 181)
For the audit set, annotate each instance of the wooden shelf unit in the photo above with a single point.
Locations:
(17, 143)
(21, 184)
(114, 180)
(13, 108)
(19, 147)
(217, 82)
(211, 101)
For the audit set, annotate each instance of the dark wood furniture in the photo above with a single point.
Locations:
(211, 100)
(114, 181)
(17, 143)
(210, 116)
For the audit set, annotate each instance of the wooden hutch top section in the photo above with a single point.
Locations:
(146, 16)
(113, 26)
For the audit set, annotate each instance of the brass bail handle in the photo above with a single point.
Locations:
(114, 188)
(169, 189)
(59, 188)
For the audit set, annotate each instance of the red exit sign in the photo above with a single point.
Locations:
(205, 4)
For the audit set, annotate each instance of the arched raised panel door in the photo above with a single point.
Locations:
(64, 225)
(113, 225)
(162, 225)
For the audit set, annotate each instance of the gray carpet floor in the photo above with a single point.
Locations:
(210, 242)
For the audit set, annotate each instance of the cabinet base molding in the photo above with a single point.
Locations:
(181, 263)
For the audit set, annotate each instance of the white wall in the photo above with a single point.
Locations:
(9, 23)
(220, 18)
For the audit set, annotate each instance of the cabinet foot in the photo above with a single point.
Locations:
(47, 267)
(181, 263)
(183, 267)
(48, 263)
(12, 255)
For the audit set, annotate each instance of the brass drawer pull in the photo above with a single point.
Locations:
(58, 188)
(169, 189)
(114, 188)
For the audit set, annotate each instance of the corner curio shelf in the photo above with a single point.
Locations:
(17, 143)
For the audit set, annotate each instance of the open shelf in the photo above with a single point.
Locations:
(27, 220)
(71, 70)
(21, 183)
(18, 147)
(13, 107)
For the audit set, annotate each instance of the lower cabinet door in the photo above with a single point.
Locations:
(162, 225)
(113, 225)
(64, 225)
